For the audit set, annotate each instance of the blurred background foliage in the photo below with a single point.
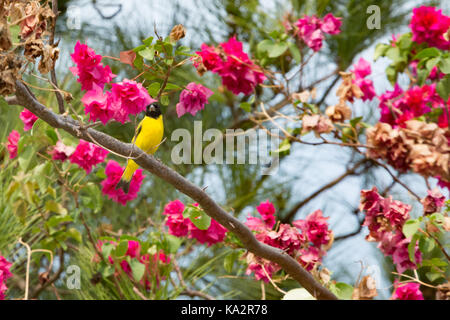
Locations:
(29, 200)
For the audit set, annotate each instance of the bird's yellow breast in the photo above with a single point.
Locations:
(149, 135)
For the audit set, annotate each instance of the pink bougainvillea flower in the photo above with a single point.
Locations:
(309, 257)
(13, 140)
(385, 219)
(98, 75)
(435, 74)
(407, 291)
(429, 25)
(287, 238)
(98, 104)
(5, 274)
(85, 57)
(309, 30)
(60, 151)
(261, 271)
(315, 227)
(238, 72)
(366, 86)
(193, 99)
(214, 234)
(267, 212)
(28, 118)
(89, 68)
(129, 97)
(444, 117)
(113, 174)
(442, 183)
(401, 259)
(134, 249)
(256, 224)
(382, 214)
(88, 155)
(433, 202)
(331, 24)
(397, 107)
(210, 58)
(362, 69)
(178, 225)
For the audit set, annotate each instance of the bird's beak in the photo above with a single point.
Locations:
(152, 108)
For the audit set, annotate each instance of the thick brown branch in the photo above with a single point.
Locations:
(154, 166)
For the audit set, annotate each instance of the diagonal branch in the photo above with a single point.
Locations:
(154, 166)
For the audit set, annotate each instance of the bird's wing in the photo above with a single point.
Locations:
(138, 130)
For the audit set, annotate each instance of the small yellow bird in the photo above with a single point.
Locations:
(148, 137)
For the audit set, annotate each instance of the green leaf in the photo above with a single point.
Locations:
(101, 174)
(410, 228)
(25, 157)
(277, 49)
(229, 260)
(198, 217)
(284, 148)
(444, 65)
(165, 100)
(443, 87)
(173, 243)
(41, 173)
(139, 62)
(246, 106)
(422, 75)
(121, 248)
(394, 54)
(147, 53)
(295, 51)
(107, 248)
(153, 89)
(355, 121)
(431, 63)
(147, 42)
(380, 50)
(435, 262)
(264, 46)
(391, 74)
(412, 248)
(14, 30)
(55, 207)
(75, 234)
(426, 244)
(106, 271)
(172, 86)
(433, 276)
(342, 290)
(427, 53)
(52, 135)
(137, 269)
(56, 220)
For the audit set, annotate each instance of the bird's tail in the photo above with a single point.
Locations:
(127, 175)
